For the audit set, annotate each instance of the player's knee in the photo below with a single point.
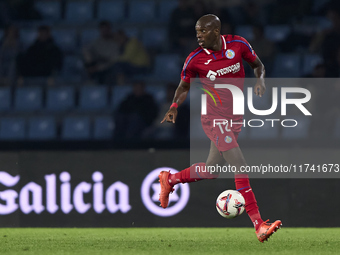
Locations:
(235, 157)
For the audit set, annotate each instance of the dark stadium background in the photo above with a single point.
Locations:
(67, 122)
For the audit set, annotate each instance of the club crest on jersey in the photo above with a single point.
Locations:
(228, 139)
(230, 54)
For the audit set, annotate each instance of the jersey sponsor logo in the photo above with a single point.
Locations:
(229, 69)
(206, 63)
(230, 54)
(211, 75)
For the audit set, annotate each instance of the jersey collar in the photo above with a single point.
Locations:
(210, 51)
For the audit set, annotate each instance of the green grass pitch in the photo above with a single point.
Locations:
(167, 241)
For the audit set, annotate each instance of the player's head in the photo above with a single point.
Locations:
(208, 29)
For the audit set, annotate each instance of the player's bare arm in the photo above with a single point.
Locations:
(259, 72)
(180, 96)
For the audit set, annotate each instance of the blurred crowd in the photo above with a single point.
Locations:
(109, 59)
(115, 58)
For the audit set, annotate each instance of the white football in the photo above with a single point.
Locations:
(230, 204)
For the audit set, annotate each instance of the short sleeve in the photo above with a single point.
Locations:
(188, 70)
(248, 54)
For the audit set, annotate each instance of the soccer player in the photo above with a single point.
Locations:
(217, 52)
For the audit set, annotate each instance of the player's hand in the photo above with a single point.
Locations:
(259, 88)
(171, 115)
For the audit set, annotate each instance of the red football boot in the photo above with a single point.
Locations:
(267, 229)
(166, 188)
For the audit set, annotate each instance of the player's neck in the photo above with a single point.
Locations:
(218, 45)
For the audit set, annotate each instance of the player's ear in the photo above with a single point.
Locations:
(216, 31)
